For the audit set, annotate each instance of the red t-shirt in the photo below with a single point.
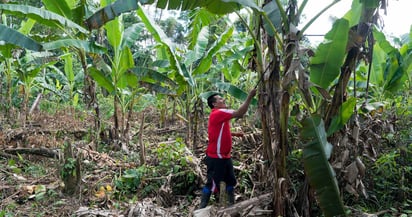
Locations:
(220, 138)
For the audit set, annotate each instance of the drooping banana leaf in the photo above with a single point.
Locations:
(110, 12)
(150, 75)
(41, 15)
(11, 36)
(158, 88)
(207, 94)
(89, 47)
(329, 56)
(214, 6)
(102, 79)
(316, 152)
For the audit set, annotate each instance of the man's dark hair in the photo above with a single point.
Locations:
(211, 99)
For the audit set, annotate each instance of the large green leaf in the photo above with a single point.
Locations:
(41, 15)
(59, 7)
(114, 29)
(158, 88)
(345, 113)
(199, 46)
(316, 152)
(206, 61)
(89, 47)
(378, 65)
(168, 46)
(273, 13)
(101, 79)
(11, 36)
(126, 61)
(329, 56)
(131, 35)
(110, 12)
(214, 6)
(199, 18)
(150, 75)
(234, 91)
(394, 74)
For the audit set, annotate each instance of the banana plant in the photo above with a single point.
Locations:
(63, 16)
(28, 69)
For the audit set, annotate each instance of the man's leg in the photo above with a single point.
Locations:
(210, 186)
(230, 182)
(204, 201)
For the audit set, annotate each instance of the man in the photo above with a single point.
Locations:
(218, 159)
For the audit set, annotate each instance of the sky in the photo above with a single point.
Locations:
(397, 21)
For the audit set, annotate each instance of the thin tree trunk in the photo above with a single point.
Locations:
(142, 147)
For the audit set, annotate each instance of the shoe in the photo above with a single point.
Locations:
(204, 201)
(230, 195)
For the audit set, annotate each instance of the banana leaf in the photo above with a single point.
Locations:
(345, 113)
(167, 45)
(89, 47)
(394, 74)
(41, 15)
(329, 56)
(59, 7)
(110, 12)
(234, 91)
(316, 152)
(206, 61)
(11, 36)
(102, 79)
(150, 75)
(214, 6)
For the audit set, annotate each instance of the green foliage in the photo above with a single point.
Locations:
(329, 57)
(392, 177)
(130, 181)
(321, 175)
(69, 168)
(172, 160)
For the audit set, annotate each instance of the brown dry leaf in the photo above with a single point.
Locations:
(361, 166)
(101, 193)
(351, 172)
(351, 190)
(30, 189)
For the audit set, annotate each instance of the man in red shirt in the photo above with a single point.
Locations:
(218, 160)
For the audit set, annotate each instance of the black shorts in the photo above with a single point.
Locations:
(219, 170)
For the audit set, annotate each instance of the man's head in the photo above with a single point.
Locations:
(216, 101)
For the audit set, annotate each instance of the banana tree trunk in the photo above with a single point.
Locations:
(90, 93)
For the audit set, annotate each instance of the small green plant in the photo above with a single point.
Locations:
(69, 168)
(130, 180)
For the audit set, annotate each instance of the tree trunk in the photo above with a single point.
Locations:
(70, 171)
(142, 147)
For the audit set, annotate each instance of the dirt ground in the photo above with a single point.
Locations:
(31, 184)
